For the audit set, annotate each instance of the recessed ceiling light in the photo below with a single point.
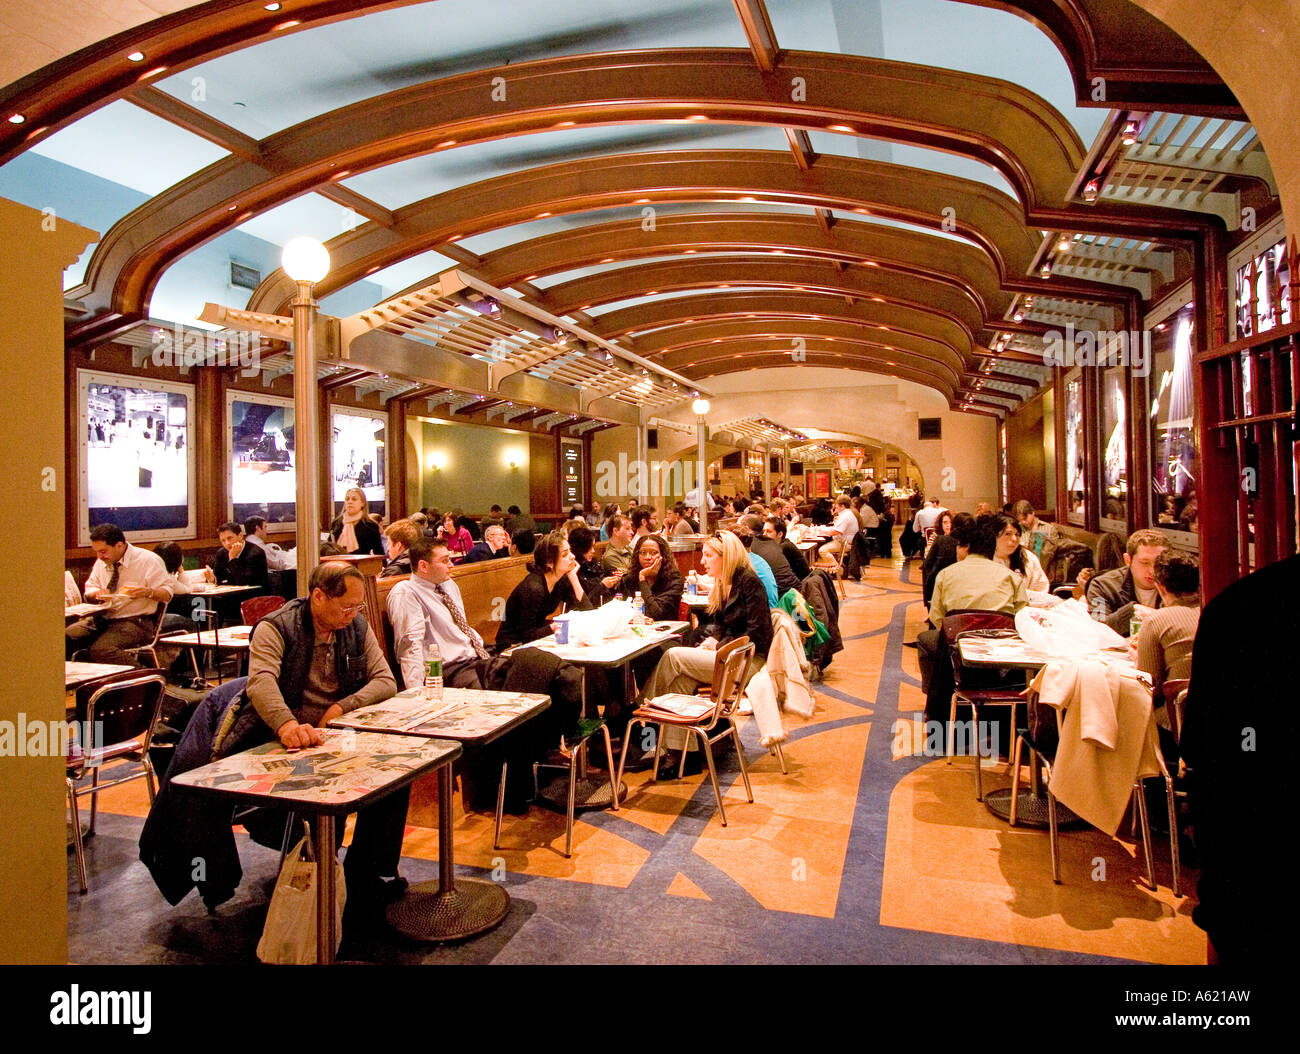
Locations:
(840, 128)
(16, 118)
(445, 143)
(287, 25)
(542, 215)
(272, 7)
(135, 56)
(566, 124)
(152, 73)
(697, 117)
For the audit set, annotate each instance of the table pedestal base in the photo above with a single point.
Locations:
(1031, 808)
(428, 913)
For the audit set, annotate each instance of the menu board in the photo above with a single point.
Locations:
(572, 473)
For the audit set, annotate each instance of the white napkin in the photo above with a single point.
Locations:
(1065, 631)
(592, 627)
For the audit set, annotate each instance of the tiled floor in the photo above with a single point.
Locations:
(864, 852)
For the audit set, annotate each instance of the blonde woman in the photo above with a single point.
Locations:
(354, 531)
(737, 608)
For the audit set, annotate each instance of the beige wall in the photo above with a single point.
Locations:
(961, 468)
(33, 857)
(475, 470)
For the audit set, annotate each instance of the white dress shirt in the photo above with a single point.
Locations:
(140, 567)
(869, 517)
(928, 516)
(276, 558)
(419, 616)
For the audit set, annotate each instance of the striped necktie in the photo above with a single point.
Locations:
(458, 617)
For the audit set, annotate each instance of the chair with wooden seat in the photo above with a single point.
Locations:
(834, 564)
(115, 720)
(967, 689)
(730, 668)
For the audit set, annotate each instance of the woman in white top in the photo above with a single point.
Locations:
(1010, 553)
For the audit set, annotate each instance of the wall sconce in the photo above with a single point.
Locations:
(436, 462)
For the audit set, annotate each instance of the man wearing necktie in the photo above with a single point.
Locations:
(426, 608)
(134, 581)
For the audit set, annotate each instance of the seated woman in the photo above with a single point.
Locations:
(737, 608)
(1163, 645)
(456, 538)
(1010, 553)
(655, 577)
(597, 583)
(354, 531)
(552, 581)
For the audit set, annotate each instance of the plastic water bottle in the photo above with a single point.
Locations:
(432, 672)
(638, 606)
(692, 585)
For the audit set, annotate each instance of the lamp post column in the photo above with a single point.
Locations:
(306, 449)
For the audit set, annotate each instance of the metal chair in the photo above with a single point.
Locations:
(572, 755)
(835, 566)
(730, 668)
(1139, 805)
(152, 646)
(116, 714)
(957, 624)
(258, 608)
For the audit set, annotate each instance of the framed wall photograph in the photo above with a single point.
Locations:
(135, 456)
(358, 456)
(262, 480)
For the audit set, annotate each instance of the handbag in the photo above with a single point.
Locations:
(289, 936)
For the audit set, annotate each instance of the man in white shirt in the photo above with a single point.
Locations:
(845, 527)
(255, 533)
(428, 607)
(138, 579)
(928, 515)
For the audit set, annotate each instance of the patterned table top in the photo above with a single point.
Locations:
(235, 637)
(463, 714)
(1013, 651)
(615, 651)
(344, 773)
(75, 673)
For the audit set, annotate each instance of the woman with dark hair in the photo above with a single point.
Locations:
(654, 575)
(611, 509)
(943, 553)
(597, 583)
(1010, 553)
(455, 537)
(552, 581)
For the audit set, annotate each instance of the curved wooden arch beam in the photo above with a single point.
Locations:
(940, 374)
(986, 216)
(51, 97)
(664, 345)
(782, 306)
(777, 234)
(863, 283)
(1141, 61)
(1030, 143)
(857, 359)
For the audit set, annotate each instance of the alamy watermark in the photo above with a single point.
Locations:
(644, 479)
(1099, 347)
(185, 348)
(42, 739)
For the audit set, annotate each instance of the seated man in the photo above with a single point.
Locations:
(845, 528)
(675, 521)
(645, 520)
(1039, 537)
(618, 553)
(522, 543)
(427, 608)
(495, 545)
(124, 571)
(775, 529)
(238, 563)
(401, 535)
(750, 530)
(1112, 594)
(311, 661)
(255, 533)
(976, 581)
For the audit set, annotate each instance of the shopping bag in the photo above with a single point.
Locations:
(289, 937)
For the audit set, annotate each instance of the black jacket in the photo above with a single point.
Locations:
(530, 606)
(771, 551)
(796, 560)
(663, 599)
(1239, 726)
(482, 551)
(943, 553)
(1112, 595)
(745, 614)
(399, 565)
(367, 532)
(247, 569)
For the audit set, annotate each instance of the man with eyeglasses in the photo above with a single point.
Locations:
(311, 661)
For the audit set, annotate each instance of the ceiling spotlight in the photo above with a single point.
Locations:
(1091, 189)
(1045, 271)
(16, 118)
(135, 56)
(272, 7)
(1019, 316)
(1063, 244)
(1130, 135)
